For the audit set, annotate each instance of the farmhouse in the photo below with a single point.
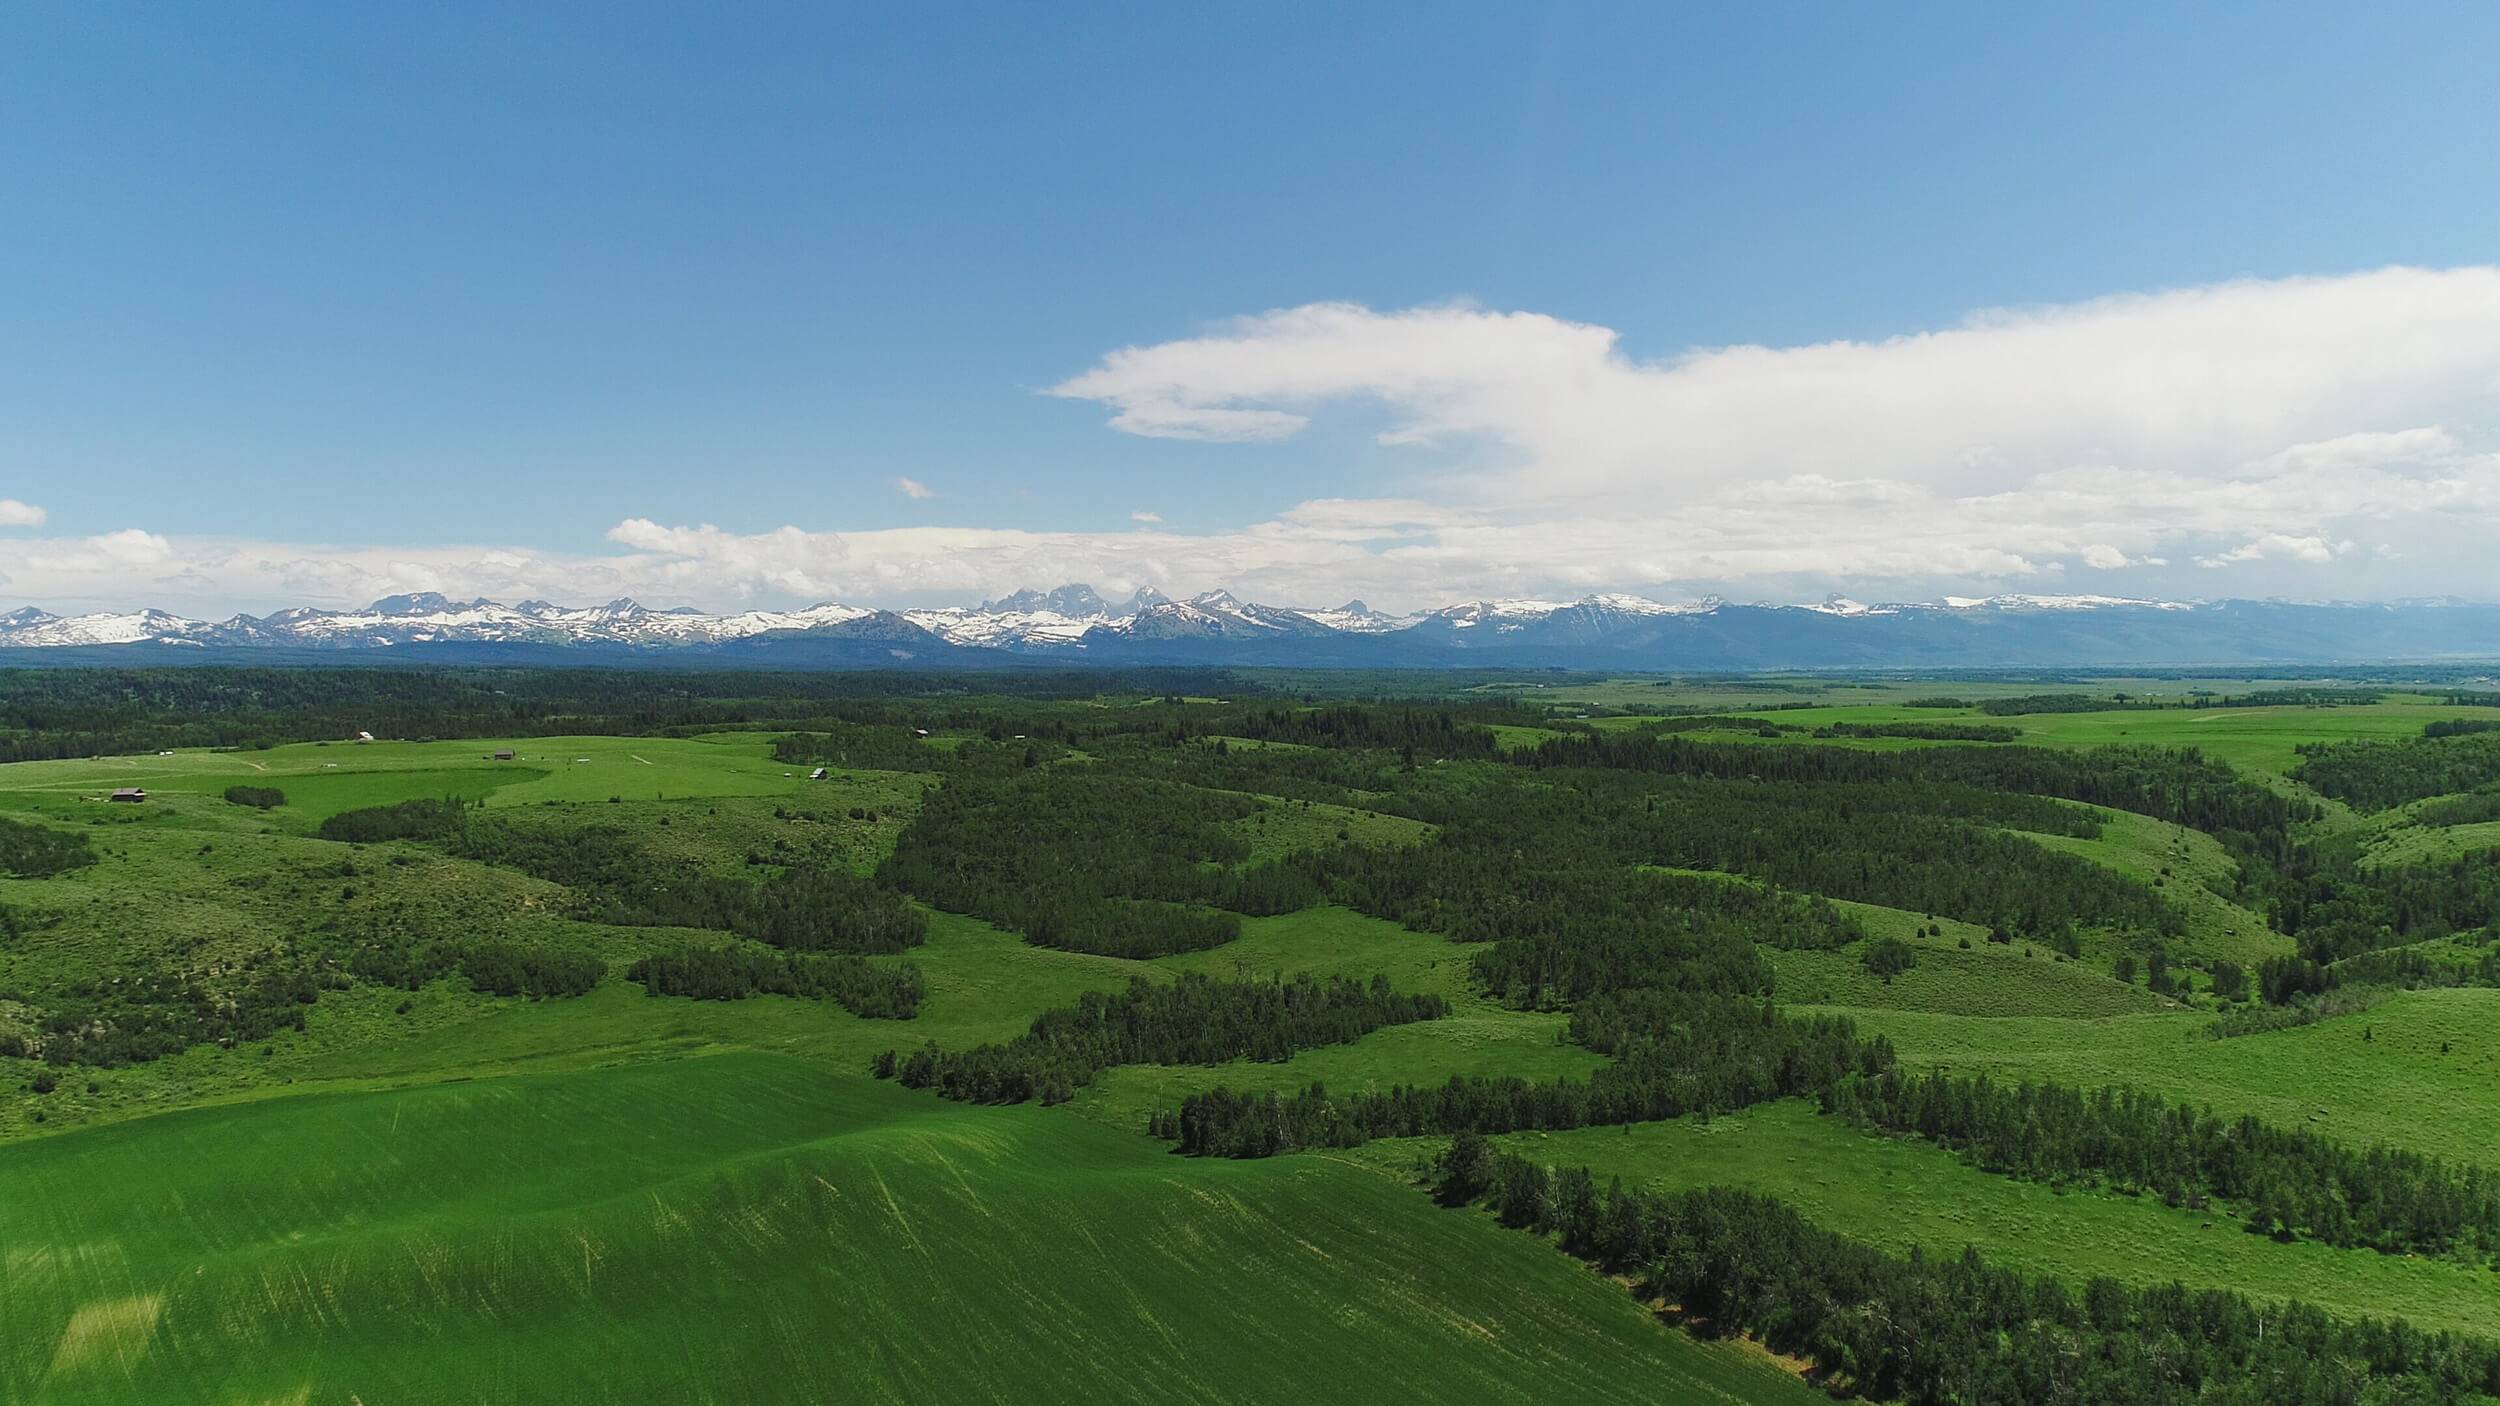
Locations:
(131, 795)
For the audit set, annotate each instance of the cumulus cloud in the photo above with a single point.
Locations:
(2251, 422)
(2315, 550)
(913, 488)
(16, 514)
(2312, 436)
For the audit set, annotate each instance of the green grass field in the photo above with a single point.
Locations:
(753, 1227)
(1900, 1192)
(439, 1195)
(2381, 1075)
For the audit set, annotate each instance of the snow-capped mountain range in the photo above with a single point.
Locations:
(1076, 624)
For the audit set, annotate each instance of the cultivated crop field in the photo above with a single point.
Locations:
(1024, 1042)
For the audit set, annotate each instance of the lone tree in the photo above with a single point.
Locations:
(1888, 957)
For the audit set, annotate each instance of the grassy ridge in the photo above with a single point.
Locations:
(1895, 1193)
(753, 1227)
(2421, 1070)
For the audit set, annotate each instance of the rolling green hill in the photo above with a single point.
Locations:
(753, 1227)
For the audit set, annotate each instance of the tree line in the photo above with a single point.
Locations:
(2180, 785)
(2285, 1182)
(1673, 1053)
(1924, 732)
(734, 973)
(50, 713)
(2381, 775)
(1195, 1019)
(1916, 1328)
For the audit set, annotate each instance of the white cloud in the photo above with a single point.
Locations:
(2315, 550)
(16, 514)
(126, 550)
(1142, 515)
(913, 488)
(2318, 436)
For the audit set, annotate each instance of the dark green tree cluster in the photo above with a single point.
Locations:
(616, 881)
(2472, 808)
(1717, 722)
(134, 1017)
(897, 747)
(2334, 907)
(1674, 1053)
(799, 910)
(257, 797)
(734, 973)
(2376, 776)
(2459, 727)
(2180, 785)
(32, 851)
(1413, 732)
(1924, 732)
(865, 746)
(1909, 1328)
(1926, 848)
(392, 956)
(1092, 862)
(51, 713)
(1194, 1020)
(509, 969)
(424, 819)
(1565, 928)
(1888, 957)
(2284, 1181)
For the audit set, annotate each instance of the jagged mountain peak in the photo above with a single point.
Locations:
(1600, 630)
(1076, 600)
(424, 603)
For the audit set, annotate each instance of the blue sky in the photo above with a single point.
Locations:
(304, 301)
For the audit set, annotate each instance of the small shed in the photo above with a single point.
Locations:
(503, 754)
(817, 775)
(129, 795)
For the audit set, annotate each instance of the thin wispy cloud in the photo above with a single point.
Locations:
(1145, 517)
(914, 488)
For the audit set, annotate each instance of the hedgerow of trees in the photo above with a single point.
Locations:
(1916, 1328)
(733, 973)
(2282, 1181)
(1673, 1052)
(1194, 1020)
